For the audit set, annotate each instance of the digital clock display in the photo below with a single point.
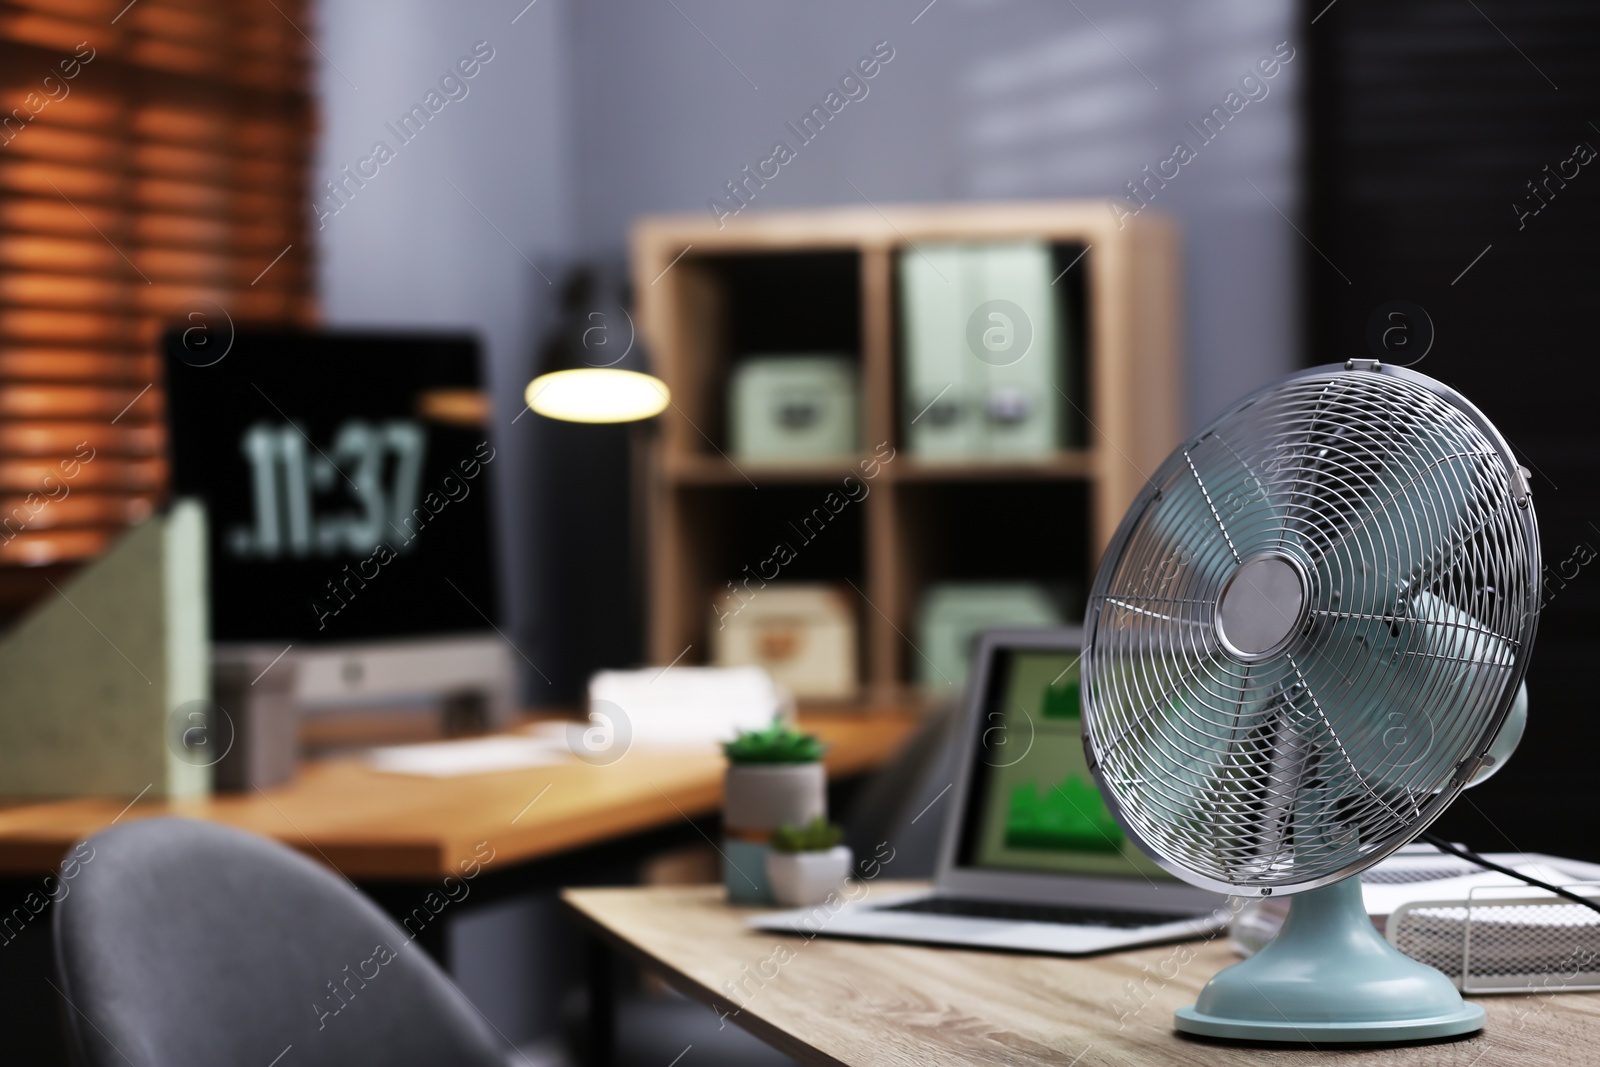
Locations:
(342, 504)
(344, 500)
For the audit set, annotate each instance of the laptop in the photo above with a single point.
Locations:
(1031, 859)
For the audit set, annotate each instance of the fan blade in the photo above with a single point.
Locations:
(1287, 752)
(1377, 674)
(1428, 491)
(1278, 772)
(1182, 714)
(1177, 551)
(1248, 490)
(1325, 463)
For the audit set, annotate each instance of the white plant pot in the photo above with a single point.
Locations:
(800, 879)
(765, 796)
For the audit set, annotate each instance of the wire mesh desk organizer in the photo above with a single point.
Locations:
(1504, 939)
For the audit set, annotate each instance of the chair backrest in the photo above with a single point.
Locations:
(186, 943)
(889, 805)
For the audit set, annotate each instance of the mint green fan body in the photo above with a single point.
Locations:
(1329, 976)
(1306, 638)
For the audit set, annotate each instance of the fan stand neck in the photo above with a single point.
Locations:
(1329, 977)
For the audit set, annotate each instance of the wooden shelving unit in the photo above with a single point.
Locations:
(825, 280)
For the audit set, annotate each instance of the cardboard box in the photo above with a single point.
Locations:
(804, 635)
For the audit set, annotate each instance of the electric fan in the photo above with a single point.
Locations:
(1306, 638)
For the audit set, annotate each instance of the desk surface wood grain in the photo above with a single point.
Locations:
(379, 826)
(831, 1002)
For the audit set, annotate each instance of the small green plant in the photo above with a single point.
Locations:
(774, 744)
(818, 835)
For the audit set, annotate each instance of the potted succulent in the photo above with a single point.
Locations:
(807, 863)
(775, 778)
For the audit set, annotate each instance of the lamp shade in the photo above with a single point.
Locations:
(592, 367)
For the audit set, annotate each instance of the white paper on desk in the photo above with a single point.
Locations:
(686, 707)
(1259, 920)
(1483, 885)
(483, 755)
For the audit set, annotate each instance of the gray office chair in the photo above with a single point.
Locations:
(185, 943)
(889, 807)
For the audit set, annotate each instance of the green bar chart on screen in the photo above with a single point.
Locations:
(1067, 816)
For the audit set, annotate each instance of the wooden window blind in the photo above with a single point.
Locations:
(153, 160)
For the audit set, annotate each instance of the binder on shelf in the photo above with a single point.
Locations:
(1019, 335)
(984, 360)
(940, 378)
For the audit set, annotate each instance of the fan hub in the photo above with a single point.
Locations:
(1262, 606)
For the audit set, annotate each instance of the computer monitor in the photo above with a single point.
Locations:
(347, 478)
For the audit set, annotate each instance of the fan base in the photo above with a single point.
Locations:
(1329, 977)
(1468, 1020)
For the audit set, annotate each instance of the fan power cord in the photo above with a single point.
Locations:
(1472, 857)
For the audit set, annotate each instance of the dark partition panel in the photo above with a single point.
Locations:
(1451, 166)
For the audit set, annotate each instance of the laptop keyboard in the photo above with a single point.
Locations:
(1038, 913)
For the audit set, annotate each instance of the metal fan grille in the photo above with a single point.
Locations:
(1308, 628)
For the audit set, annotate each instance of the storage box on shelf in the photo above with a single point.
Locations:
(897, 518)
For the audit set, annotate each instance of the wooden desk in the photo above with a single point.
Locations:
(373, 826)
(850, 1002)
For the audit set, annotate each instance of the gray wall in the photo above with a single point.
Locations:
(983, 99)
(453, 231)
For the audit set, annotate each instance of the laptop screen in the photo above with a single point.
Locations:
(1032, 805)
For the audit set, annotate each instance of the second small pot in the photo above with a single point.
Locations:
(800, 879)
